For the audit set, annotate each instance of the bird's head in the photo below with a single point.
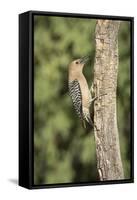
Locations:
(78, 64)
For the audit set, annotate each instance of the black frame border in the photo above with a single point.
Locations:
(24, 149)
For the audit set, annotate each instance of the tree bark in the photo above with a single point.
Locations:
(109, 163)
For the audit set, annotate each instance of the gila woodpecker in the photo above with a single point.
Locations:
(79, 90)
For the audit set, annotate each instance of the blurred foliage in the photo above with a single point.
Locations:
(64, 151)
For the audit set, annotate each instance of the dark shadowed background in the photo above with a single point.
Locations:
(64, 150)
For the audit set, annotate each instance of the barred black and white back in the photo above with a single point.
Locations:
(75, 93)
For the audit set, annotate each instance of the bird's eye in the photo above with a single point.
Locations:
(77, 62)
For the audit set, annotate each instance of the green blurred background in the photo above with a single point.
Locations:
(64, 152)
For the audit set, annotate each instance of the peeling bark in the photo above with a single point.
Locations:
(109, 162)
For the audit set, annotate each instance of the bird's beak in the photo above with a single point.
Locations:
(84, 59)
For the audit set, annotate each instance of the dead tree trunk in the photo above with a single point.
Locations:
(109, 162)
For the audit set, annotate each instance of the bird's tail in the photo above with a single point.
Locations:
(84, 124)
(88, 119)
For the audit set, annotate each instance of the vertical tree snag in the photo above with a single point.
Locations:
(109, 162)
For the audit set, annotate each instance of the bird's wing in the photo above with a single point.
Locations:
(75, 93)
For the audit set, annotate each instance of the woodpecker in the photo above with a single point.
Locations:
(79, 90)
